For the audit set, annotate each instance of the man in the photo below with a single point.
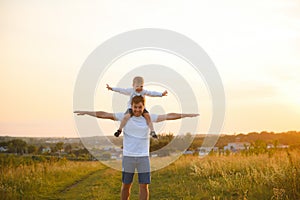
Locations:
(136, 145)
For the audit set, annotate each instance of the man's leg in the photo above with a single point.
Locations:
(127, 176)
(125, 191)
(144, 192)
(144, 177)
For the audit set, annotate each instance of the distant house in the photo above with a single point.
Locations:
(237, 146)
(188, 152)
(46, 150)
(2, 149)
(280, 146)
(116, 156)
(154, 155)
(203, 151)
(108, 148)
(112, 149)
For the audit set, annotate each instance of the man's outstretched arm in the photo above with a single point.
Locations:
(174, 116)
(98, 114)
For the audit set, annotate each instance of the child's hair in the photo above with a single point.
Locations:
(138, 99)
(138, 80)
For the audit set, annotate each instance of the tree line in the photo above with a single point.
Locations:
(257, 141)
(20, 147)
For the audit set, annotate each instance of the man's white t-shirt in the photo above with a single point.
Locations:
(136, 140)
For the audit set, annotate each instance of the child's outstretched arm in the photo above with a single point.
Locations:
(155, 94)
(125, 91)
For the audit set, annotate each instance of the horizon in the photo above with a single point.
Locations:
(121, 136)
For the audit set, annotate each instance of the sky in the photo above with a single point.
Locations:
(254, 45)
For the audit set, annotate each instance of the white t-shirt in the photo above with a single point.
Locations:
(136, 140)
(132, 93)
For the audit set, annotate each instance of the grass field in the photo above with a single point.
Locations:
(265, 176)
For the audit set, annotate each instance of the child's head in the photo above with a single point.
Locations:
(138, 83)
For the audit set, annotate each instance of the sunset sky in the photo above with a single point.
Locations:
(254, 45)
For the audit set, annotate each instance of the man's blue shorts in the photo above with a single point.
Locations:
(141, 164)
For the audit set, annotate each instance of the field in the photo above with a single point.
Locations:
(264, 176)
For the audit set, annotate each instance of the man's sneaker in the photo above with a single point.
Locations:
(153, 134)
(118, 133)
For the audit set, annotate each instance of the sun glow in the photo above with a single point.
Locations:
(291, 93)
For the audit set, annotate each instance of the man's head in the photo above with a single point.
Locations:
(138, 105)
(138, 83)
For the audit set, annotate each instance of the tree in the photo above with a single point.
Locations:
(68, 148)
(275, 143)
(259, 147)
(106, 156)
(59, 146)
(17, 146)
(40, 149)
(32, 149)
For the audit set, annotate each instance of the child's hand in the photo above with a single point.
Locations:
(80, 112)
(165, 93)
(108, 87)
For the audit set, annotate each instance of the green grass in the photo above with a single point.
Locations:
(23, 179)
(103, 184)
(190, 177)
(232, 177)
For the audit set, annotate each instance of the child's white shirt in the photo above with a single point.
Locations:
(132, 93)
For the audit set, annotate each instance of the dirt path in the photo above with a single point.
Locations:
(101, 184)
(85, 178)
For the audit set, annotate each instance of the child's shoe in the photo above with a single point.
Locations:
(153, 134)
(118, 133)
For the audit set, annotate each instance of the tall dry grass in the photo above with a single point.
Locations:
(24, 178)
(266, 176)
(231, 177)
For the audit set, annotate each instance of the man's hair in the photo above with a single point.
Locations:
(138, 99)
(138, 79)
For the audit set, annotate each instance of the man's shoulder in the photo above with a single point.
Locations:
(119, 116)
(153, 117)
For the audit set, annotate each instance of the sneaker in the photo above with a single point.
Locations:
(153, 134)
(118, 133)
